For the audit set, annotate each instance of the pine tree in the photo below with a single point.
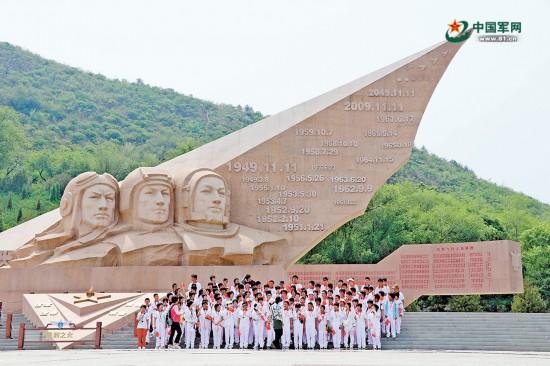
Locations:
(24, 192)
(1, 223)
(20, 214)
(38, 205)
(348, 252)
(55, 193)
(10, 203)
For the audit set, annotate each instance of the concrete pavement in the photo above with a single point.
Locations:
(264, 358)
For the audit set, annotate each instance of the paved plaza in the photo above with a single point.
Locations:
(264, 358)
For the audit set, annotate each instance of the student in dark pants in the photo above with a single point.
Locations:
(175, 316)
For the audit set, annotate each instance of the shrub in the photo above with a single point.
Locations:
(530, 301)
(466, 303)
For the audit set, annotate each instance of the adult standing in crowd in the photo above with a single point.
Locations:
(277, 319)
(143, 318)
(174, 320)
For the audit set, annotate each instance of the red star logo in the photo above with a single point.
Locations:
(455, 26)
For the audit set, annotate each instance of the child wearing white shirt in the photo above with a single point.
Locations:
(217, 325)
(375, 328)
(310, 321)
(243, 324)
(229, 325)
(322, 327)
(298, 326)
(258, 318)
(360, 327)
(336, 319)
(159, 326)
(190, 324)
(205, 321)
(287, 324)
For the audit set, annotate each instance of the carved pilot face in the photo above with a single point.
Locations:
(154, 203)
(210, 199)
(98, 206)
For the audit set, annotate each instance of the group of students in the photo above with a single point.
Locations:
(248, 313)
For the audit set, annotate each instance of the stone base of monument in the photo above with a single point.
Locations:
(19, 281)
(491, 267)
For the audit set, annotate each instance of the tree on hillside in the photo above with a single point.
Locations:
(115, 160)
(10, 203)
(187, 145)
(535, 253)
(55, 192)
(24, 192)
(19, 214)
(536, 236)
(41, 165)
(11, 138)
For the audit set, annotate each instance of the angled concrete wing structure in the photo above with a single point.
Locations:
(291, 179)
(304, 172)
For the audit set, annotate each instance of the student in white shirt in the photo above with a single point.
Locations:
(144, 320)
(351, 284)
(375, 328)
(366, 283)
(149, 309)
(336, 324)
(380, 286)
(310, 322)
(360, 327)
(205, 321)
(400, 303)
(349, 321)
(324, 285)
(298, 326)
(383, 298)
(159, 326)
(370, 294)
(400, 312)
(258, 323)
(243, 323)
(237, 307)
(194, 282)
(322, 321)
(229, 325)
(217, 325)
(386, 287)
(287, 325)
(190, 317)
(295, 283)
(391, 315)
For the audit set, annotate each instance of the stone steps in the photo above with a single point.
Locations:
(420, 331)
(473, 331)
(11, 344)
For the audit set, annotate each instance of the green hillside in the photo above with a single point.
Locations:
(57, 121)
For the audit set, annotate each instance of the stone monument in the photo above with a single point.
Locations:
(265, 194)
(257, 199)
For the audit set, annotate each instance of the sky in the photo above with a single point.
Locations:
(489, 111)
